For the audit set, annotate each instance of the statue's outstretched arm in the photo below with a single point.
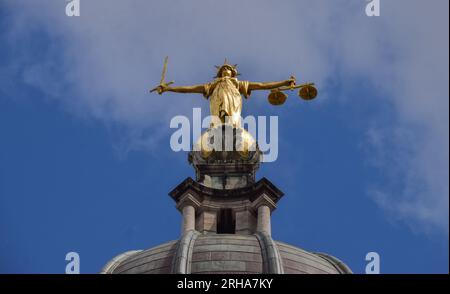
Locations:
(270, 85)
(184, 89)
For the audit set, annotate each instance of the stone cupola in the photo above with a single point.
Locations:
(226, 221)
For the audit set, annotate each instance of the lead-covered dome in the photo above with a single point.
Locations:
(224, 254)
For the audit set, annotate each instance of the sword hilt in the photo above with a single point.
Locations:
(160, 86)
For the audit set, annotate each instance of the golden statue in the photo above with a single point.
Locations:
(224, 94)
(225, 91)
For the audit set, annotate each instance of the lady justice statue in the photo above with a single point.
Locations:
(225, 94)
(225, 91)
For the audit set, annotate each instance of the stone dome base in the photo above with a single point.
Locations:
(224, 254)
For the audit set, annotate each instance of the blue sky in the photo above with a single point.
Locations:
(85, 161)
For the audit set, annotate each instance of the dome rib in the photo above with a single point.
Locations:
(337, 263)
(272, 262)
(116, 261)
(182, 258)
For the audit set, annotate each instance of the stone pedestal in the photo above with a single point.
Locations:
(225, 196)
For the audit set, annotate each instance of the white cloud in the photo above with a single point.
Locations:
(113, 52)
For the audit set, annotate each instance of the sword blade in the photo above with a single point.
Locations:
(163, 76)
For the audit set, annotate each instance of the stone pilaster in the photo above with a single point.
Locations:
(264, 206)
(187, 205)
(188, 218)
(263, 224)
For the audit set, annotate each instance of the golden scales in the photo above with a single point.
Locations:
(306, 92)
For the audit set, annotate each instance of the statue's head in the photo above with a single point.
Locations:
(227, 70)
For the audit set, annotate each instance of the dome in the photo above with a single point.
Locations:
(224, 254)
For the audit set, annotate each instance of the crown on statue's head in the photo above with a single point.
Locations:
(232, 67)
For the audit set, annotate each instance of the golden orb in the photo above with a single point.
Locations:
(243, 142)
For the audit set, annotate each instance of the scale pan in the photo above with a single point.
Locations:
(307, 92)
(277, 98)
